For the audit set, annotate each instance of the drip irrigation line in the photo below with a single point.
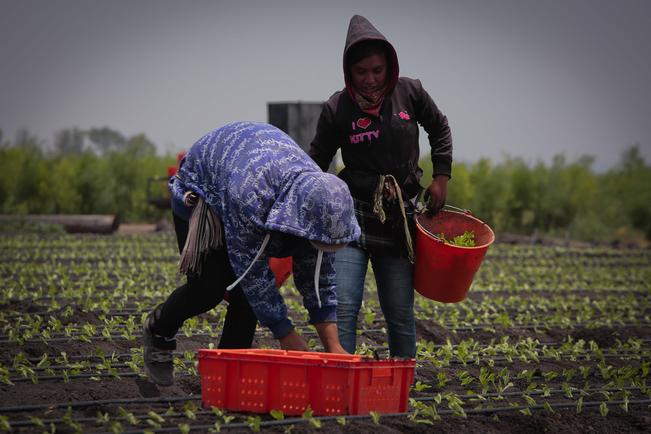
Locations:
(543, 326)
(60, 256)
(53, 260)
(76, 376)
(579, 358)
(454, 361)
(64, 367)
(80, 420)
(4, 339)
(643, 291)
(138, 336)
(292, 421)
(135, 311)
(641, 320)
(82, 404)
(474, 291)
(570, 404)
(376, 348)
(173, 399)
(125, 312)
(110, 356)
(590, 391)
(581, 260)
(638, 322)
(642, 352)
(485, 359)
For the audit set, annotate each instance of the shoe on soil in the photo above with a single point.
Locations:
(158, 355)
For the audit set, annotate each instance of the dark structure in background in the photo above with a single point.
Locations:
(298, 119)
(71, 223)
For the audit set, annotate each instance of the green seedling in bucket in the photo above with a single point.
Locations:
(465, 240)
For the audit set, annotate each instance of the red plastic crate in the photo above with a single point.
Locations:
(331, 384)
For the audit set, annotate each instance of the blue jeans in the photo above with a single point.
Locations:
(395, 288)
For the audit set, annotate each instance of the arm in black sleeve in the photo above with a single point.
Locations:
(324, 145)
(436, 125)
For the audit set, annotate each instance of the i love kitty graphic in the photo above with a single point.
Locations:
(363, 123)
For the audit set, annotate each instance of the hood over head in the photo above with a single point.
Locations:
(316, 206)
(359, 30)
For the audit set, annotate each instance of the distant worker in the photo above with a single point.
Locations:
(374, 120)
(243, 193)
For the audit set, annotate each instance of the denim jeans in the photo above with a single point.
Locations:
(395, 289)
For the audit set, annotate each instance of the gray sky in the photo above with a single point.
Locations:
(527, 78)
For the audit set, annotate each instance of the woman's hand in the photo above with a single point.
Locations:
(293, 341)
(438, 192)
(330, 337)
(327, 332)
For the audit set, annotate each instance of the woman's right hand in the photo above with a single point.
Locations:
(293, 341)
(437, 193)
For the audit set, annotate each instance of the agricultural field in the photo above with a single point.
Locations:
(550, 339)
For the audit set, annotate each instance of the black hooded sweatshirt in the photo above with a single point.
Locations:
(387, 144)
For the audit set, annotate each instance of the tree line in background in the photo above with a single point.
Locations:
(562, 199)
(97, 171)
(100, 171)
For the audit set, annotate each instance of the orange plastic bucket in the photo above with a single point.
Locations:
(444, 272)
(282, 268)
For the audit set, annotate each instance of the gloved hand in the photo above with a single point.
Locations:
(436, 194)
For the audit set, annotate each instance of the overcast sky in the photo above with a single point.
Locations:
(525, 78)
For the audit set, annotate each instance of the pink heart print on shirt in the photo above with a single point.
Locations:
(363, 122)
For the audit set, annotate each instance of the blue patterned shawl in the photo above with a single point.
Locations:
(258, 180)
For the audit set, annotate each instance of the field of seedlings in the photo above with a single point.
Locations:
(550, 339)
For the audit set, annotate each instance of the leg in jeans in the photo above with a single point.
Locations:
(204, 292)
(396, 293)
(351, 264)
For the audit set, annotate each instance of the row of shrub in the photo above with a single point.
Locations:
(102, 172)
(83, 179)
(563, 199)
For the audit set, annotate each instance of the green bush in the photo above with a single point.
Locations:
(107, 180)
(100, 171)
(560, 198)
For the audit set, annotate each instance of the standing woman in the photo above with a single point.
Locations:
(374, 121)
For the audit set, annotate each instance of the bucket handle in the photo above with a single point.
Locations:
(448, 207)
(428, 232)
(454, 208)
(421, 209)
(465, 211)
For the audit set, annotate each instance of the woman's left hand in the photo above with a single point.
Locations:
(438, 192)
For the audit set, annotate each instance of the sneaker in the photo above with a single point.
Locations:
(158, 355)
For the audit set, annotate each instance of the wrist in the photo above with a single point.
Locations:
(329, 336)
(294, 342)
